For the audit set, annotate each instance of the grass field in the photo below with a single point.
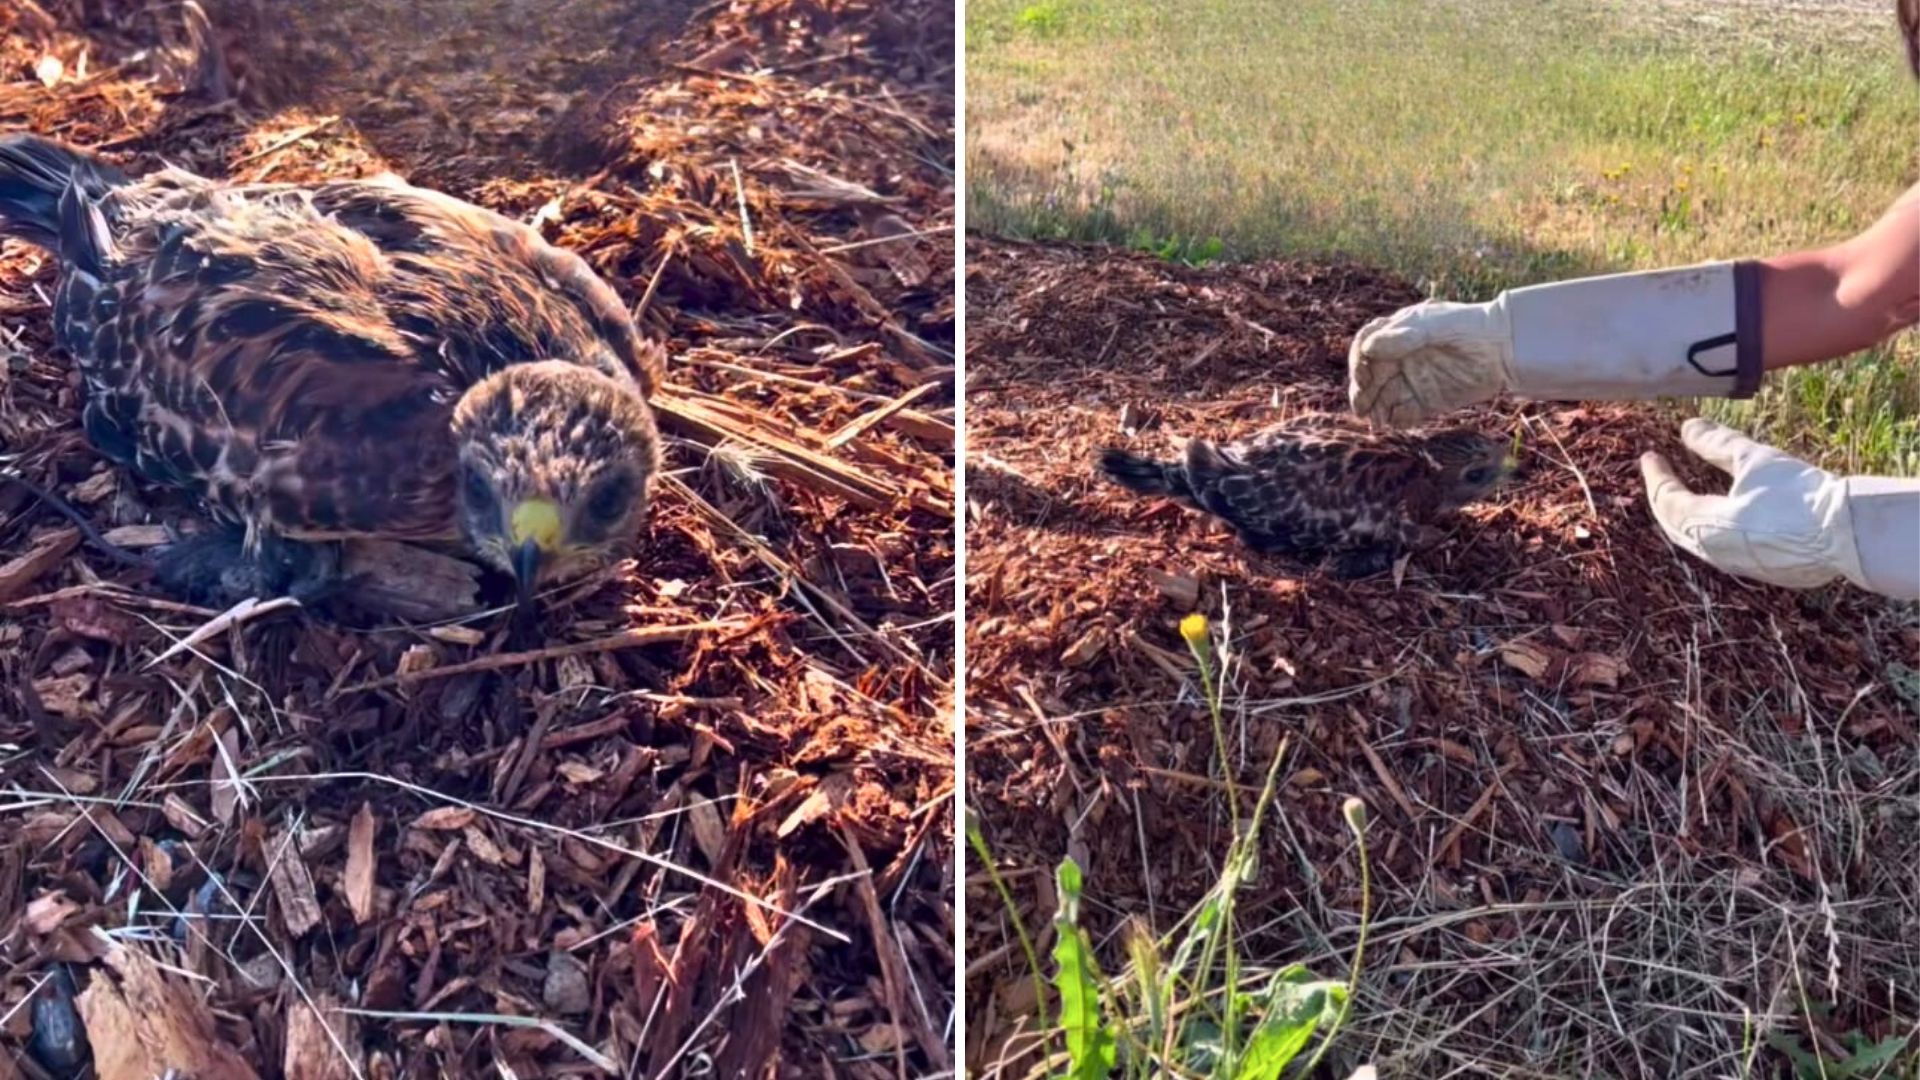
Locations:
(1469, 145)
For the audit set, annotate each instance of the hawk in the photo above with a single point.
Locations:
(1320, 486)
(352, 359)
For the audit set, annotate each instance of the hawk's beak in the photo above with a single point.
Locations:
(526, 569)
(534, 529)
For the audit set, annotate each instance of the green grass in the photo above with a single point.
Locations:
(1470, 146)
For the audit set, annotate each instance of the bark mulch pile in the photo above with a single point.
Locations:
(705, 829)
(1630, 817)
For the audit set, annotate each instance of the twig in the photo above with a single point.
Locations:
(245, 611)
(740, 194)
(284, 141)
(626, 639)
(653, 283)
(598, 1059)
(855, 245)
(860, 424)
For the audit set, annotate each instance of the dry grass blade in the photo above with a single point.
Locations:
(593, 1057)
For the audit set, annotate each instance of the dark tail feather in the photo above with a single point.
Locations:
(1145, 475)
(35, 173)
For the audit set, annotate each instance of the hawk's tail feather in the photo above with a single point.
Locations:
(36, 174)
(1145, 475)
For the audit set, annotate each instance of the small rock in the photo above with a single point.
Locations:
(1567, 839)
(262, 972)
(566, 988)
(59, 1041)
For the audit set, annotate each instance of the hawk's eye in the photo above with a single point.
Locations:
(476, 491)
(610, 500)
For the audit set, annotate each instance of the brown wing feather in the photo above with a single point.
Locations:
(527, 283)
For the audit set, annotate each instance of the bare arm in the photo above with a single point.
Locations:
(1823, 304)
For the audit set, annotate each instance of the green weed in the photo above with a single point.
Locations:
(1190, 1004)
(1043, 18)
(1864, 1057)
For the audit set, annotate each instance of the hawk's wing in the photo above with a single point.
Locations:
(493, 286)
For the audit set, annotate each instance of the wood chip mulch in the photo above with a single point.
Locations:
(706, 829)
(1630, 816)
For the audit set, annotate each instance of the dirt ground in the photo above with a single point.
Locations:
(707, 829)
(1630, 817)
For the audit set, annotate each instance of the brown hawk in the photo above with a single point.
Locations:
(351, 359)
(1320, 486)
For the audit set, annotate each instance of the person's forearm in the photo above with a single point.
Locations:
(1823, 304)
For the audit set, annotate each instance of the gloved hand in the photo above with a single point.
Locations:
(1786, 522)
(1429, 359)
(1686, 332)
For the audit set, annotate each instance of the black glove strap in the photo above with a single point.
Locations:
(1747, 353)
(1747, 366)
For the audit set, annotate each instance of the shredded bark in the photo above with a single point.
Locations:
(1609, 786)
(440, 820)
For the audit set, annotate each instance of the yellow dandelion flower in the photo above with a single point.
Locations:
(1194, 629)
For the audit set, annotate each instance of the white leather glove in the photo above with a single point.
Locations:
(1687, 332)
(1787, 523)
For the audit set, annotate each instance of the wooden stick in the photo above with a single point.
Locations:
(853, 430)
(285, 141)
(1387, 781)
(653, 283)
(1472, 815)
(626, 639)
(788, 459)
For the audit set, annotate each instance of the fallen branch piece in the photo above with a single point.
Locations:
(627, 639)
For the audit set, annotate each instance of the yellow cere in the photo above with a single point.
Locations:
(536, 520)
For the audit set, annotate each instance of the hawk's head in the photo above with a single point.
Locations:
(556, 463)
(1469, 464)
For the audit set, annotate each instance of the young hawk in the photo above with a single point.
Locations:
(1321, 485)
(353, 359)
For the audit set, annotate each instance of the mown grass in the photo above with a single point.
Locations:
(1471, 146)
